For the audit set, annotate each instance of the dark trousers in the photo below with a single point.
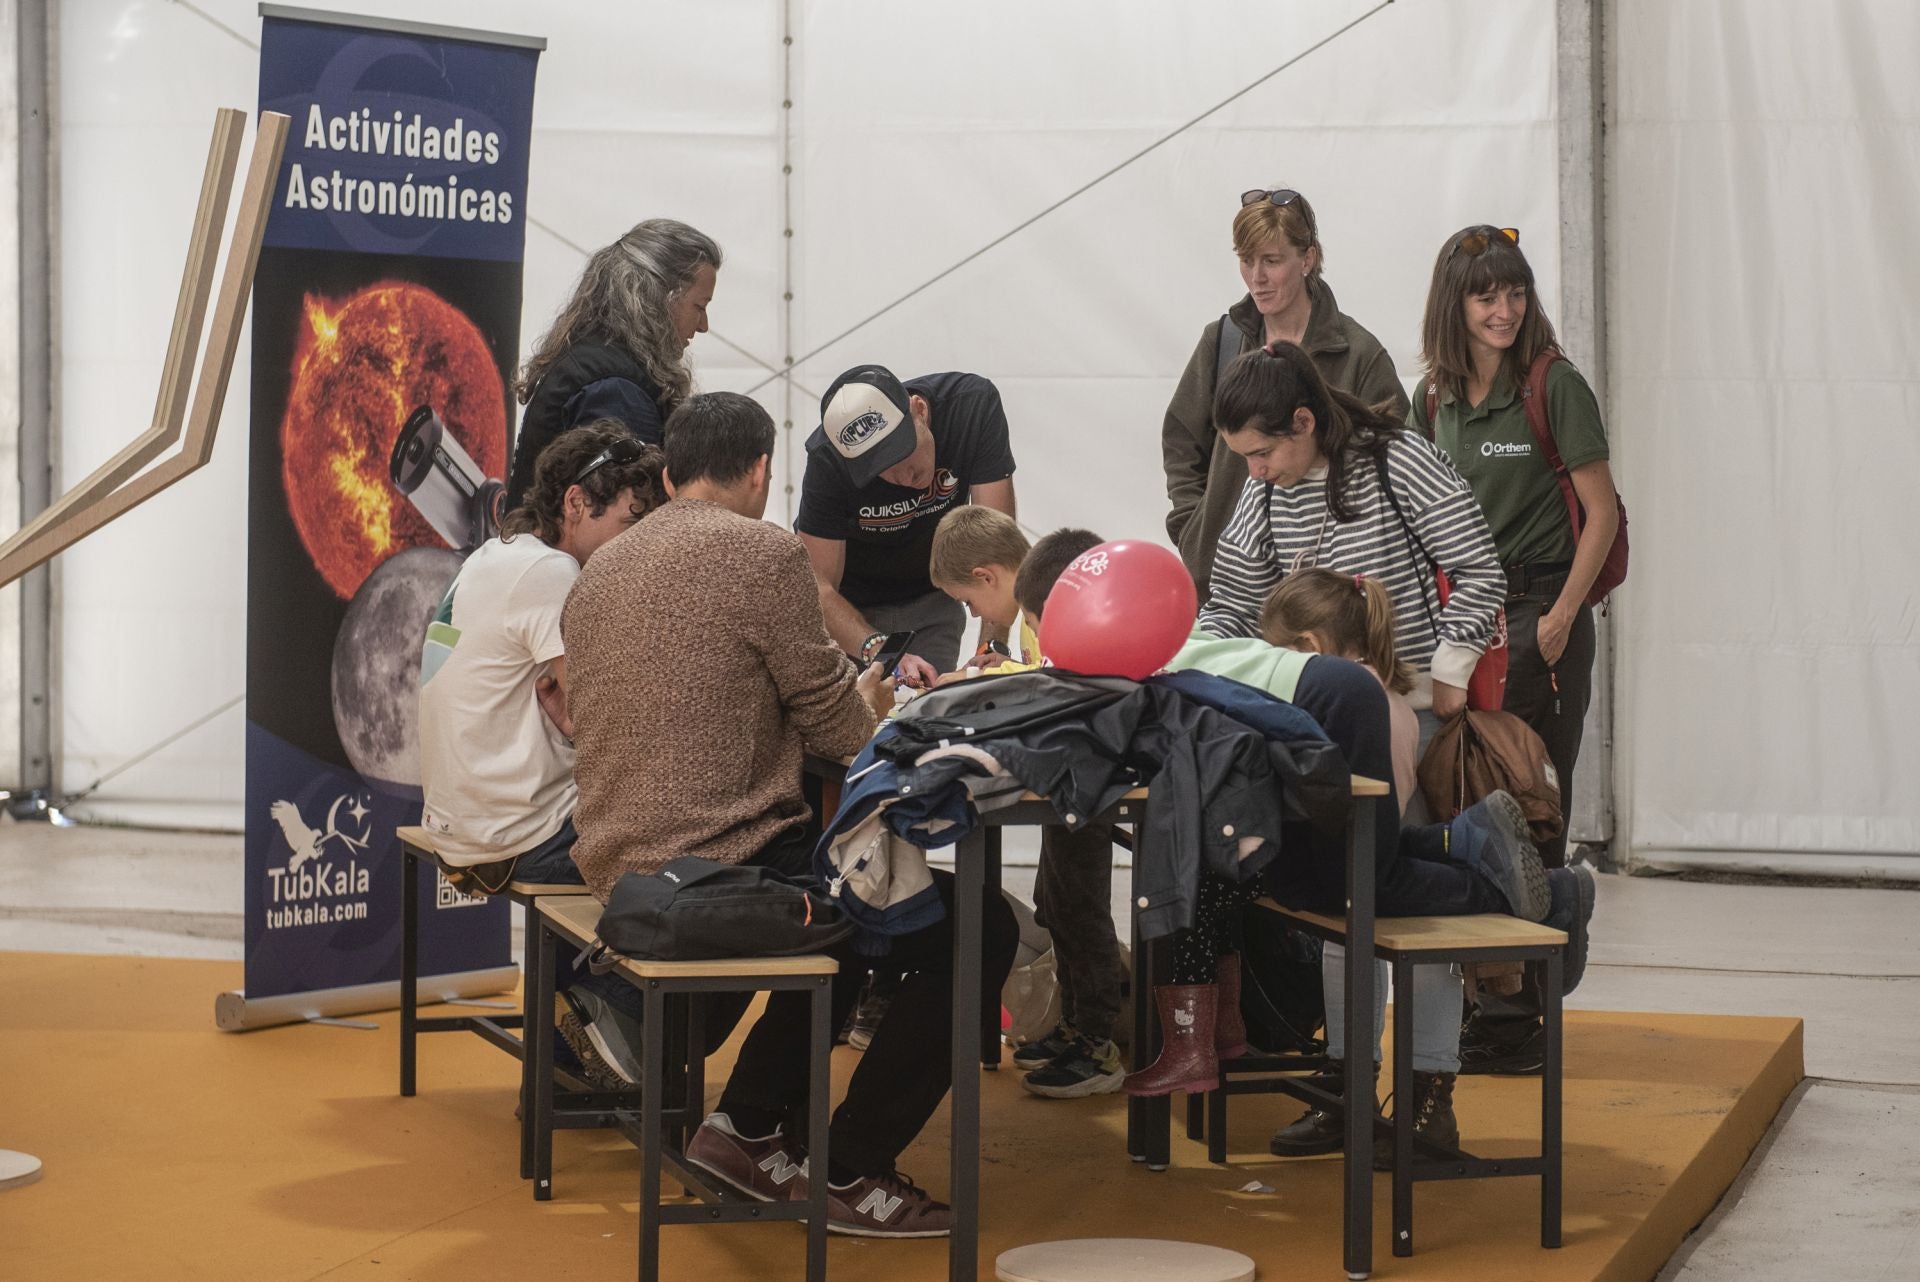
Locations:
(1557, 715)
(1553, 700)
(907, 1069)
(1073, 901)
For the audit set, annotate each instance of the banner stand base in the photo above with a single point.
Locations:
(235, 1012)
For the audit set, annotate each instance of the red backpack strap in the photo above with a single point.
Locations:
(1534, 398)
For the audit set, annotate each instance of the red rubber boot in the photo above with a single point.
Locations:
(1187, 1061)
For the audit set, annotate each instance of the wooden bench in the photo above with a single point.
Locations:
(666, 1124)
(1406, 942)
(508, 1032)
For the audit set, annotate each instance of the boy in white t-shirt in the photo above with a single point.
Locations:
(496, 750)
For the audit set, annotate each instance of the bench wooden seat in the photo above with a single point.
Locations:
(673, 1084)
(1416, 935)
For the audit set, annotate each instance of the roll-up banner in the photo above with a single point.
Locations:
(386, 328)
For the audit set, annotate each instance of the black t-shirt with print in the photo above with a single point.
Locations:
(888, 529)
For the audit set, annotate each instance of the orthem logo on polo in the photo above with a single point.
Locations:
(862, 427)
(1499, 449)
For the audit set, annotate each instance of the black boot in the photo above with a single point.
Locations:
(1433, 1118)
(1319, 1130)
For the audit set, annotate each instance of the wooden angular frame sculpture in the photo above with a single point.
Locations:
(109, 493)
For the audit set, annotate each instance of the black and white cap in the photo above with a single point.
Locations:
(866, 423)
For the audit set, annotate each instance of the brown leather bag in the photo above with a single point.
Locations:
(1474, 753)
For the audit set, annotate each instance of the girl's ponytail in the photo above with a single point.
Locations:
(1379, 647)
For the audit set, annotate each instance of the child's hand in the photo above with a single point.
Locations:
(916, 672)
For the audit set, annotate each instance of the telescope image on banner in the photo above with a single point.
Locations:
(386, 329)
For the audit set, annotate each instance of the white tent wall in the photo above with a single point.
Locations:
(1766, 400)
(640, 111)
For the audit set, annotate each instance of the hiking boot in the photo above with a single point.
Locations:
(1572, 894)
(1432, 1117)
(889, 1205)
(1039, 1054)
(1187, 1060)
(1319, 1130)
(1086, 1068)
(1510, 1052)
(1491, 837)
(761, 1168)
(875, 997)
(582, 1058)
(615, 1034)
(1229, 1027)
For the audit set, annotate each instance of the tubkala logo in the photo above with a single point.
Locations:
(324, 880)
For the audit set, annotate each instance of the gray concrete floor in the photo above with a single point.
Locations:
(1833, 1192)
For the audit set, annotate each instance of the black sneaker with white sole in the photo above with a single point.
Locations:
(1491, 837)
(1085, 1068)
(1032, 1055)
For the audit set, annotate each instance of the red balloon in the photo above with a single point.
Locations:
(1120, 609)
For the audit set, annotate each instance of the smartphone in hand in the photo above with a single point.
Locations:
(892, 650)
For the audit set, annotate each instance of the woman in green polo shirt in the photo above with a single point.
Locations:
(1482, 338)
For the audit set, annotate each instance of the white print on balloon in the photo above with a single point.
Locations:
(322, 867)
(1094, 563)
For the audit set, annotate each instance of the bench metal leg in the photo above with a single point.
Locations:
(1550, 1089)
(409, 966)
(1403, 1113)
(529, 988)
(1156, 1109)
(819, 1091)
(652, 1085)
(1197, 1116)
(1358, 1150)
(542, 1033)
(1142, 1026)
(1217, 1124)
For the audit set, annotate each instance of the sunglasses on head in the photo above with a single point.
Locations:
(1280, 198)
(625, 451)
(1476, 243)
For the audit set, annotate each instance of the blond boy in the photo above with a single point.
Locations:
(976, 558)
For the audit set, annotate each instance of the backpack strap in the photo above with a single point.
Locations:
(1433, 403)
(1533, 398)
(1232, 342)
(1413, 541)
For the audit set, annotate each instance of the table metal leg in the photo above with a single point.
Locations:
(1358, 1183)
(1403, 1112)
(1156, 1110)
(1550, 1104)
(409, 966)
(652, 1085)
(542, 1033)
(1142, 1022)
(819, 1087)
(969, 869)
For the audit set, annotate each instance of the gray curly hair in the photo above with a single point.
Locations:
(622, 300)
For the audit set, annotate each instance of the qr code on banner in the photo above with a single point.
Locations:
(447, 895)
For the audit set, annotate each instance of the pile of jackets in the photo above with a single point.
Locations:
(1226, 765)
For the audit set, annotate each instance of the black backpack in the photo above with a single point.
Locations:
(695, 909)
(1280, 995)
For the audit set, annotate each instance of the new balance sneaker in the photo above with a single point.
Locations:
(581, 1057)
(1491, 837)
(1084, 1068)
(761, 1168)
(615, 1034)
(1049, 1048)
(889, 1205)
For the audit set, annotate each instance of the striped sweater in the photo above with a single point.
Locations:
(1270, 526)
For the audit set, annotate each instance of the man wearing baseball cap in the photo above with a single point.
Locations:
(888, 459)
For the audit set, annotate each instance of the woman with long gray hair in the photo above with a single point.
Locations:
(618, 348)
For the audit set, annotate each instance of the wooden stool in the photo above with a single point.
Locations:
(1406, 942)
(508, 1032)
(1122, 1259)
(577, 921)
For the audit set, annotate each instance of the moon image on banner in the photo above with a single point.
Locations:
(360, 368)
(376, 663)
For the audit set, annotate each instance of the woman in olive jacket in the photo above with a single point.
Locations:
(1277, 240)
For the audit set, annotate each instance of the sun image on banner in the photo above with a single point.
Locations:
(386, 315)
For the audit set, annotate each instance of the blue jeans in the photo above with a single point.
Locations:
(551, 862)
(1436, 1010)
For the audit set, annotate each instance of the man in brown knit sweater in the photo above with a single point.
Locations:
(700, 671)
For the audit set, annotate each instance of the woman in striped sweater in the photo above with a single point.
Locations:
(1332, 483)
